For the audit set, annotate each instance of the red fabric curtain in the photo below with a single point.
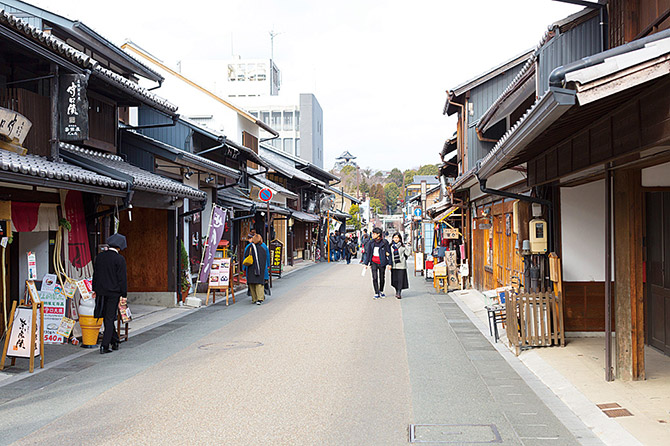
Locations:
(24, 215)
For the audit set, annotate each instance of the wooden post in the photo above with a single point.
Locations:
(55, 118)
(7, 335)
(267, 241)
(629, 296)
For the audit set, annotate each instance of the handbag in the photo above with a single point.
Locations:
(248, 260)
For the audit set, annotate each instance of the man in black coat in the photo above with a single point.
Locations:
(377, 257)
(110, 285)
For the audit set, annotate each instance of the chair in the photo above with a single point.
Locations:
(496, 313)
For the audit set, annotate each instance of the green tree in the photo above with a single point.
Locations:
(392, 193)
(355, 219)
(396, 177)
(375, 205)
(428, 169)
(363, 186)
(348, 170)
(377, 191)
(409, 176)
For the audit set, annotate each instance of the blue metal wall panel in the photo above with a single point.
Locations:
(481, 98)
(137, 157)
(179, 135)
(581, 41)
(34, 21)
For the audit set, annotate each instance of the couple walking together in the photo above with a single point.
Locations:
(379, 255)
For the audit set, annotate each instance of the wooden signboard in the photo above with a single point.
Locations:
(451, 233)
(219, 279)
(276, 254)
(25, 334)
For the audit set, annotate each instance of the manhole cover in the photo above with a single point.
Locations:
(454, 433)
(233, 345)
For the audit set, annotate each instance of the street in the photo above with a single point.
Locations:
(320, 363)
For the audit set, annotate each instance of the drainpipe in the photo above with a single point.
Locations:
(547, 203)
(174, 118)
(608, 274)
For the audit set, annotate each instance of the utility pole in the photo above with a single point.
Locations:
(273, 34)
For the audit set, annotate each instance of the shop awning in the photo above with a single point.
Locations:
(305, 216)
(38, 171)
(339, 215)
(444, 215)
(178, 156)
(141, 180)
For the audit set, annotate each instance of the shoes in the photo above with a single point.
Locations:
(398, 296)
(382, 295)
(181, 304)
(115, 345)
(104, 350)
(376, 296)
(258, 302)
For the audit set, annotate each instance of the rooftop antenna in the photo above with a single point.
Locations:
(273, 34)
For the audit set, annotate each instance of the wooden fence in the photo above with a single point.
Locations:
(534, 320)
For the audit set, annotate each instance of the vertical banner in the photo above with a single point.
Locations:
(74, 107)
(216, 228)
(78, 262)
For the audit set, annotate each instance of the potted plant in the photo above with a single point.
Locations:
(185, 284)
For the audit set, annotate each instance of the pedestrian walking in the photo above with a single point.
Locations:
(334, 249)
(399, 255)
(364, 240)
(349, 249)
(110, 287)
(257, 268)
(341, 244)
(377, 257)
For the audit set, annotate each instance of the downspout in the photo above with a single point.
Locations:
(174, 118)
(547, 203)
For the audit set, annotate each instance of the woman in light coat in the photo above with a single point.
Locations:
(399, 255)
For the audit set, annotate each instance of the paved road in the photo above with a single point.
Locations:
(321, 363)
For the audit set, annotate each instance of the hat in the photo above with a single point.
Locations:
(117, 241)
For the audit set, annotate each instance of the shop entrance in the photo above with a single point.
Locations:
(658, 270)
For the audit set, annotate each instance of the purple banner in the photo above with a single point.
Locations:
(216, 228)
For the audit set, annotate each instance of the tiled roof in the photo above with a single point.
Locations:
(38, 166)
(46, 40)
(61, 48)
(135, 89)
(142, 179)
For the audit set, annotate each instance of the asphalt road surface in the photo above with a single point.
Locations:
(320, 363)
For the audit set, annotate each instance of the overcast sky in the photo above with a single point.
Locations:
(378, 68)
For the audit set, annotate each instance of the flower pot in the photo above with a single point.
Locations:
(90, 327)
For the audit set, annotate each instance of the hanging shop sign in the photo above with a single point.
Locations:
(451, 233)
(14, 127)
(85, 287)
(32, 266)
(277, 252)
(74, 111)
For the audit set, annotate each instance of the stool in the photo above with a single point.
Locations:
(496, 313)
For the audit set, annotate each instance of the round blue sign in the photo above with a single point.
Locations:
(417, 212)
(265, 194)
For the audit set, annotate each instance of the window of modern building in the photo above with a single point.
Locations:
(288, 145)
(288, 120)
(297, 146)
(297, 121)
(265, 117)
(276, 119)
(276, 143)
(254, 114)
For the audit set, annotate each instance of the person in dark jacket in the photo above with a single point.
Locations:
(258, 271)
(334, 249)
(349, 249)
(110, 286)
(341, 245)
(377, 257)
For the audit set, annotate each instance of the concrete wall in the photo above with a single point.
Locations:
(583, 232)
(311, 130)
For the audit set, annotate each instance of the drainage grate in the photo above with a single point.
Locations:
(614, 410)
(454, 433)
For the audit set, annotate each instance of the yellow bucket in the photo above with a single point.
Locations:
(90, 327)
